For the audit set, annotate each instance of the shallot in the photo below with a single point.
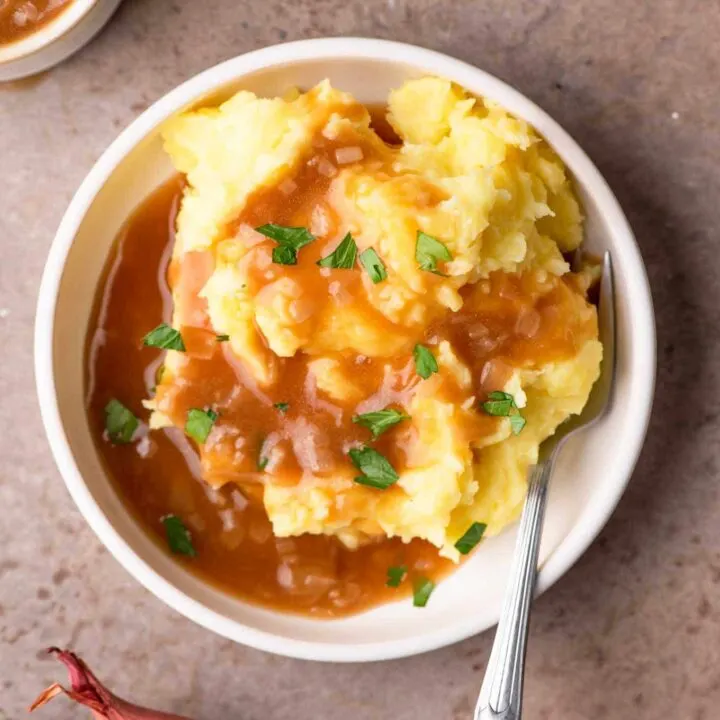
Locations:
(347, 155)
(87, 690)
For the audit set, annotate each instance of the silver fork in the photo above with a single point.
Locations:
(501, 692)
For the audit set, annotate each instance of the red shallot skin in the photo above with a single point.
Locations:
(87, 690)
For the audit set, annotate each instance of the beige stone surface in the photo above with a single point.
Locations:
(633, 631)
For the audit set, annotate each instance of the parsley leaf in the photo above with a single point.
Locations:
(199, 423)
(289, 240)
(517, 423)
(376, 471)
(373, 265)
(428, 251)
(502, 404)
(262, 460)
(178, 536)
(471, 538)
(380, 420)
(395, 575)
(425, 362)
(284, 255)
(295, 237)
(343, 256)
(422, 589)
(499, 403)
(222, 338)
(282, 406)
(120, 422)
(165, 337)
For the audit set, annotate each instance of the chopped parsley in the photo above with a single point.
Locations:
(395, 575)
(262, 460)
(222, 338)
(281, 406)
(165, 337)
(178, 536)
(380, 420)
(120, 422)
(284, 255)
(343, 256)
(425, 362)
(289, 240)
(199, 424)
(376, 471)
(373, 265)
(428, 251)
(422, 589)
(502, 404)
(499, 403)
(471, 538)
(517, 423)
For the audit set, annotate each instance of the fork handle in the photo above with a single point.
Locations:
(501, 692)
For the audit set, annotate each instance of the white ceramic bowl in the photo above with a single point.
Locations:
(590, 477)
(55, 41)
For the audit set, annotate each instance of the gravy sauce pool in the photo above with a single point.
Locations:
(161, 473)
(20, 18)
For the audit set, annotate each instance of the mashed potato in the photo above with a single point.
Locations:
(497, 309)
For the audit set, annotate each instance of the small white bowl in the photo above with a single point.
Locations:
(53, 42)
(591, 474)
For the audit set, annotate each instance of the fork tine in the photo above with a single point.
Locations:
(606, 313)
(601, 396)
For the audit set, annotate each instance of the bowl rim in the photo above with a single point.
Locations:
(578, 538)
(62, 23)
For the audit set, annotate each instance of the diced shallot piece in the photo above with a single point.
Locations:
(345, 595)
(287, 186)
(494, 375)
(311, 447)
(248, 235)
(273, 451)
(347, 155)
(325, 167)
(484, 345)
(477, 330)
(233, 533)
(307, 581)
(527, 324)
(260, 530)
(239, 500)
(339, 293)
(26, 13)
(287, 549)
(285, 287)
(302, 308)
(262, 258)
(320, 221)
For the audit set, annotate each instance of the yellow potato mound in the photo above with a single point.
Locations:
(469, 174)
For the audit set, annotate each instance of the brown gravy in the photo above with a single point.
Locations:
(209, 375)
(162, 474)
(20, 18)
